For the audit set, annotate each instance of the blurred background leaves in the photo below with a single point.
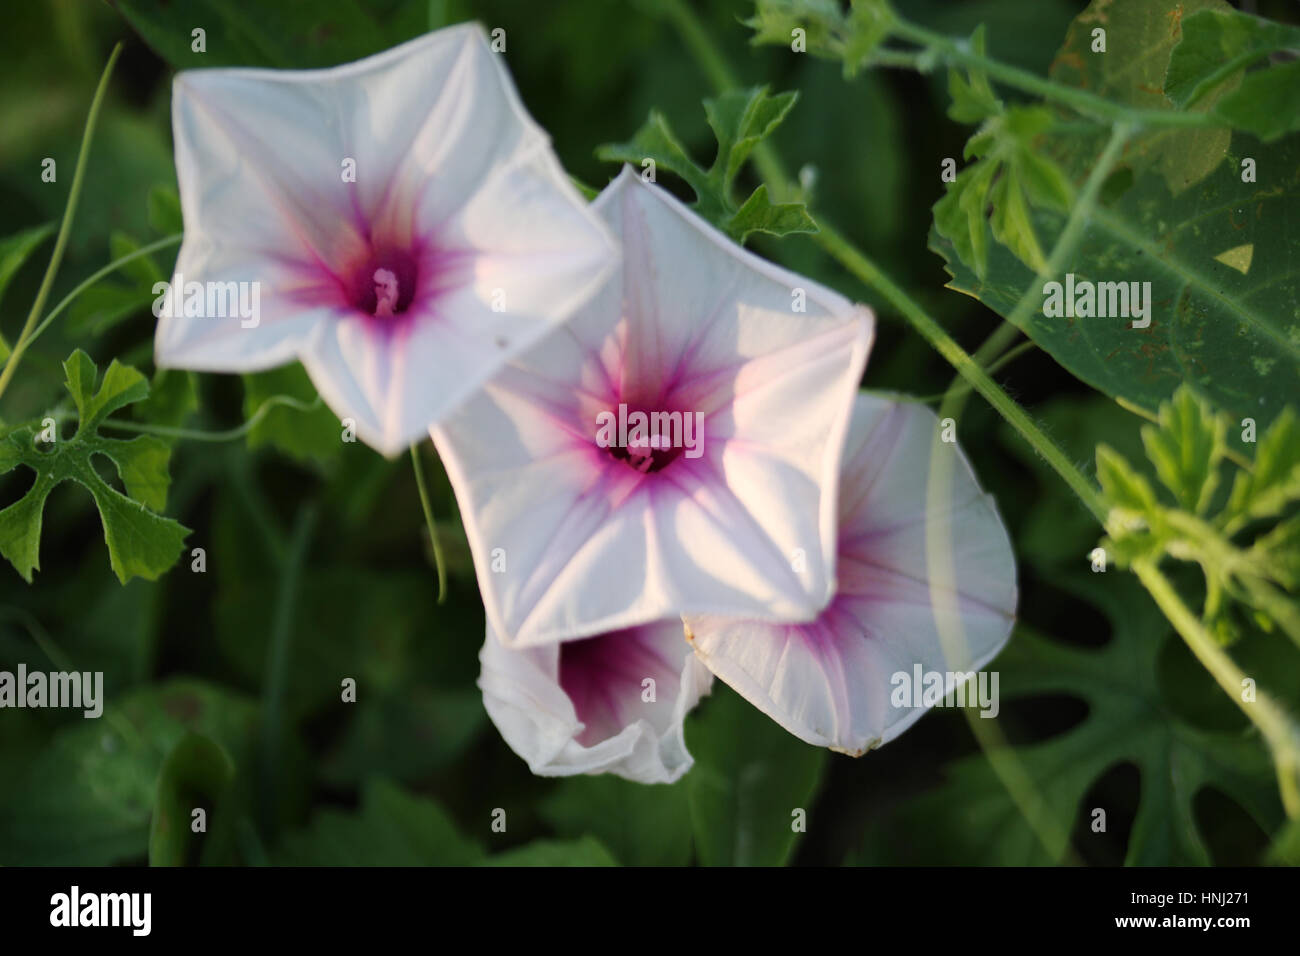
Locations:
(412, 772)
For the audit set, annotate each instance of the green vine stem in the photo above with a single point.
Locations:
(1278, 729)
(423, 487)
(1003, 759)
(90, 280)
(770, 168)
(938, 530)
(65, 228)
(958, 52)
(231, 434)
(1273, 722)
(1084, 205)
(871, 274)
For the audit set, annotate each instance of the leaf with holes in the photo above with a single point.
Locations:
(1128, 721)
(140, 542)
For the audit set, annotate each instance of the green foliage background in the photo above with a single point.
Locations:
(223, 686)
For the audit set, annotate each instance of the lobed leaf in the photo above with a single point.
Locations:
(1186, 449)
(740, 120)
(140, 542)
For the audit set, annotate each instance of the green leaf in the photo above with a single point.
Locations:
(120, 386)
(973, 99)
(759, 214)
(89, 798)
(827, 30)
(656, 141)
(774, 21)
(15, 249)
(314, 435)
(869, 25)
(173, 397)
(195, 775)
(142, 464)
(140, 542)
(584, 852)
(1140, 38)
(1124, 488)
(1278, 551)
(142, 271)
(970, 819)
(1216, 45)
(165, 210)
(1186, 449)
(249, 33)
(392, 828)
(1285, 850)
(1009, 175)
(103, 307)
(959, 215)
(749, 778)
(1221, 294)
(405, 734)
(1267, 103)
(1275, 479)
(740, 120)
(642, 825)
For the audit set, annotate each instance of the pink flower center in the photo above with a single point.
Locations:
(604, 678)
(385, 284)
(649, 439)
(653, 455)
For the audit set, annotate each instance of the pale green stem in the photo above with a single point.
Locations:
(1278, 729)
(112, 267)
(1081, 212)
(943, 586)
(1004, 333)
(958, 51)
(65, 228)
(868, 272)
(438, 559)
(945, 345)
(232, 434)
(938, 531)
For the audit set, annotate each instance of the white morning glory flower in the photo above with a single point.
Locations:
(836, 682)
(674, 448)
(614, 703)
(398, 224)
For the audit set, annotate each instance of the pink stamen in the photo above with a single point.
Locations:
(385, 292)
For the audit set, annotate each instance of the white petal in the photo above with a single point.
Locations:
(829, 682)
(746, 529)
(449, 169)
(642, 740)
